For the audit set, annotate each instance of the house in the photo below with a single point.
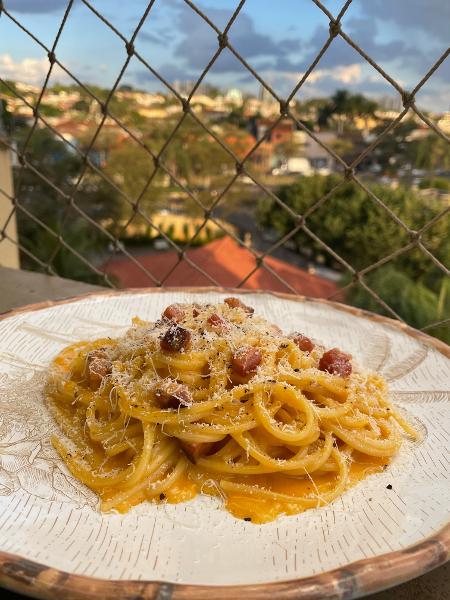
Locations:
(226, 261)
(319, 158)
(282, 134)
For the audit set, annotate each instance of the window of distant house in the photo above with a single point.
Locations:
(319, 163)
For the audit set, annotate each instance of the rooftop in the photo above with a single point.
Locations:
(224, 260)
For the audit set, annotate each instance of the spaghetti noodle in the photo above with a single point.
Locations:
(213, 399)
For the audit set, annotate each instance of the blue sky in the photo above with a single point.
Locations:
(279, 38)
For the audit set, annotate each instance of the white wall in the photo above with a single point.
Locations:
(9, 253)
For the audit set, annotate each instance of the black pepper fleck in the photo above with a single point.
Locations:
(296, 370)
(247, 518)
(162, 496)
(389, 486)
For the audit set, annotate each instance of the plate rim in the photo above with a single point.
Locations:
(349, 581)
(359, 312)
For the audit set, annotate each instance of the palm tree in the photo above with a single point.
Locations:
(344, 106)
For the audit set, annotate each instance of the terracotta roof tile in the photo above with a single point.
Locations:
(224, 260)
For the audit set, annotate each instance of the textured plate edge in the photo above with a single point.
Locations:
(359, 312)
(351, 581)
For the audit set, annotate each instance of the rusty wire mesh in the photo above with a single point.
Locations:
(347, 170)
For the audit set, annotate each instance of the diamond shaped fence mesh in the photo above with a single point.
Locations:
(68, 192)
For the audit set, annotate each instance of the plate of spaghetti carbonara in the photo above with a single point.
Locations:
(156, 435)
(213, 399)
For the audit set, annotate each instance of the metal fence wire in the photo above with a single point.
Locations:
(347, 170)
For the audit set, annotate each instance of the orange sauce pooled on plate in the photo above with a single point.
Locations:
(261, 510)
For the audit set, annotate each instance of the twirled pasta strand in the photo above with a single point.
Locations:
(285, 438)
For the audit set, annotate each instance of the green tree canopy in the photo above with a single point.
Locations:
(417, 304)
(54, 161)
(344, 107)
(430, 153)
(361, 232)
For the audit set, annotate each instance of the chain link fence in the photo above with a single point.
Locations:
(347, 170)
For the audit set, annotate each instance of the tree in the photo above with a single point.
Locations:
(430, 153)
(236, 117)
(343, 107)
(438, 183)
(361, 232)
(310, 109)
(210, 90)
(286, 150)
(9, 88)
(193, 155)
(50, 157)
(6, 118)
(171, 231)
(345, 147)
(393, 150)
(82, 106)
(130, 167)
(416, 303)
(50, 111)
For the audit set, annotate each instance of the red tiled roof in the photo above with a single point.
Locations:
(225, 261)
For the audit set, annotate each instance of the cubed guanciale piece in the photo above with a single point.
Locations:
(236, 303)
(245, 360)
(175, 339)
(302, 342)
(173, 395)
(336, 362)
(195, 450)
(98, 367)
(196, 309)
(174, 312)
(218, 322)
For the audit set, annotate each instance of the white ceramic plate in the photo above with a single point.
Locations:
(50, 519)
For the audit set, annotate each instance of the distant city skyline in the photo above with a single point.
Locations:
(404, 37)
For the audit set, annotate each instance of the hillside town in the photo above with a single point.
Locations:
(286, 149)
(160, 183)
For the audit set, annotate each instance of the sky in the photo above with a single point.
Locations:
(278, 38)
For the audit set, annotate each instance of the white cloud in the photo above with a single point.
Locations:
(347, 74)
(29, 70)
(344, 74)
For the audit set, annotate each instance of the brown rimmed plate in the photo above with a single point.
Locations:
(54, 543)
